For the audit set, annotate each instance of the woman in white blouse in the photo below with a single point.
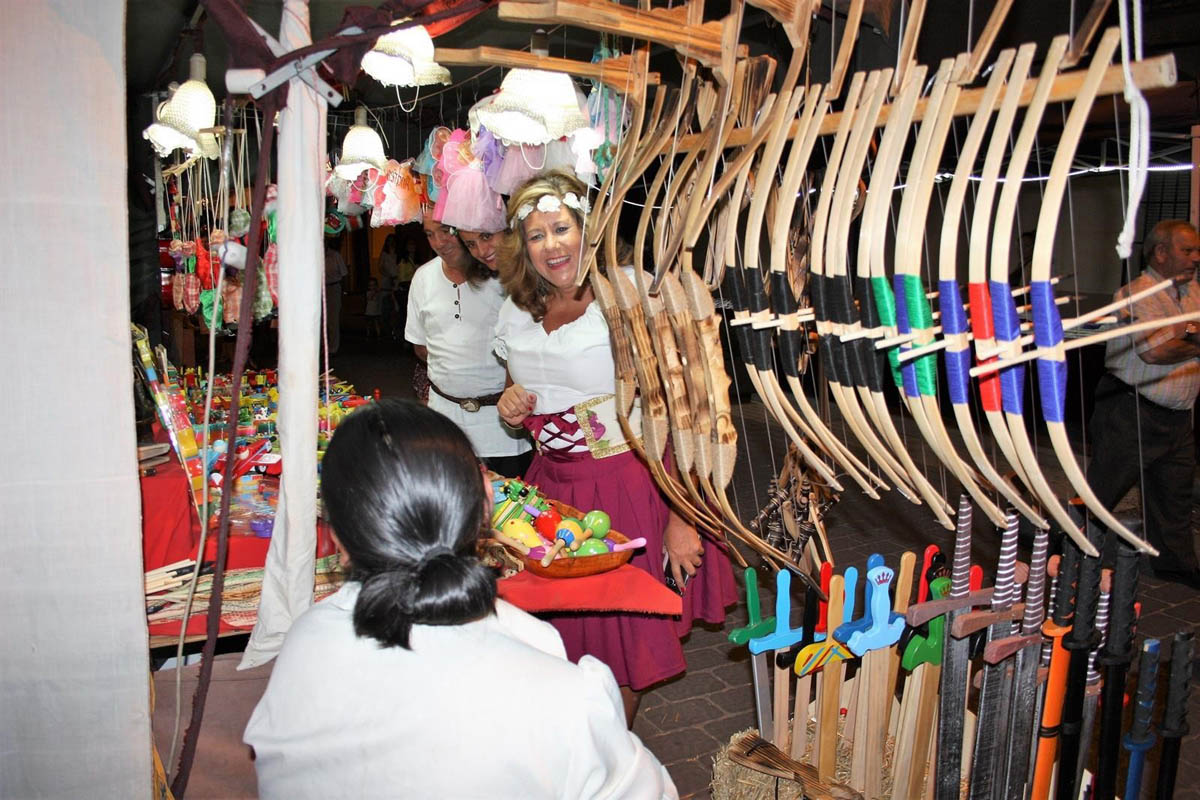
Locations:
(555, 342)
(413, 680)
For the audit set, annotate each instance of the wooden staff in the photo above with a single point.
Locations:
(870, 637)
(828, 705)
(918, 709)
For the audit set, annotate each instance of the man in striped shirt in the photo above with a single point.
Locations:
(1142, 425)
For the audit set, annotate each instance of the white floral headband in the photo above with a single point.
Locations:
(549, 203)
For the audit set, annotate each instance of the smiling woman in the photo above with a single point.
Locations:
(556, 344)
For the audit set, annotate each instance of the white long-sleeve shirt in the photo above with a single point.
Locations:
(491, 709)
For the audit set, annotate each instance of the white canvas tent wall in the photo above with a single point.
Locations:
(288, 582)
(74, 676)
(73, 667)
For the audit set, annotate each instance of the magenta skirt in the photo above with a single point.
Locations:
(641, 649)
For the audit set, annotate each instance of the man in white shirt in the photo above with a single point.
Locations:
(452, 306)
(1143, 418)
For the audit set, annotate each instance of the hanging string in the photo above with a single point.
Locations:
(412, 107)
(1127, 271)
(1139, 126)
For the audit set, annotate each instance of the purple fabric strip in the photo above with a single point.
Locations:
(1048, 332)
(958, 365)
(1047, 323)
(1008, 328)
(954, 319)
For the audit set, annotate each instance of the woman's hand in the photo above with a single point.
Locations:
(684, 548)
(515, 405)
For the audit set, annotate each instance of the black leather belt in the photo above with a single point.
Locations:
(471, 404)
(1121, 386)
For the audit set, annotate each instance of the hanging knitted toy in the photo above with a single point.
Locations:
(231, 301)
(191, 282)
(262, 296)
(207, 298)
(191, 292)
(239, 222)
(204, 266)
(271, 259)
(176, 251)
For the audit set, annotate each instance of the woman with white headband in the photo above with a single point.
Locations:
(556, 344)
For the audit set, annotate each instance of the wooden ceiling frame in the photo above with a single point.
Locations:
(626, 74)
(713, 44)
(1158, 72)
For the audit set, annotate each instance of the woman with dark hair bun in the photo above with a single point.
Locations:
(414, 680)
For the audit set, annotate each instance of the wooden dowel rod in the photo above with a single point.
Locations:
(1085, 33)
(1151, 73)
(619, 73)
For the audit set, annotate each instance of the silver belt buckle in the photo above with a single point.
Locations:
(470, 404)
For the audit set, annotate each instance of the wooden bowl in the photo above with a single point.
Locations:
(579, 566)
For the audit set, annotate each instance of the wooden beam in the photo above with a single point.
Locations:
(846, 48)
(1151, 73)
(622, 73)
(1086, 32)
(986, 39)
(712, 43)
(908, 46)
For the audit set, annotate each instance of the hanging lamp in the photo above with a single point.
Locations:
(534, 106)
(404, 57)
(182, 120)
(361, 149)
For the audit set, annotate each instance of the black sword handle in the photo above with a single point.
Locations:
(1118, 647)
(1175, 722)
(1068, 572)
(1082, 636)
(1143, 710)
(1174, 726)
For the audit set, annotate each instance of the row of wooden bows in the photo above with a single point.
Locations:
(711, 154)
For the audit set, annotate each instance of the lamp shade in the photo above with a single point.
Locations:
(533, 106)
(361, 149)
(404, 57)
(179, 121)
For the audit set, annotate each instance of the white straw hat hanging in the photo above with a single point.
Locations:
(404, 57)
(180, 122)
(533, 106)
(361, 149)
